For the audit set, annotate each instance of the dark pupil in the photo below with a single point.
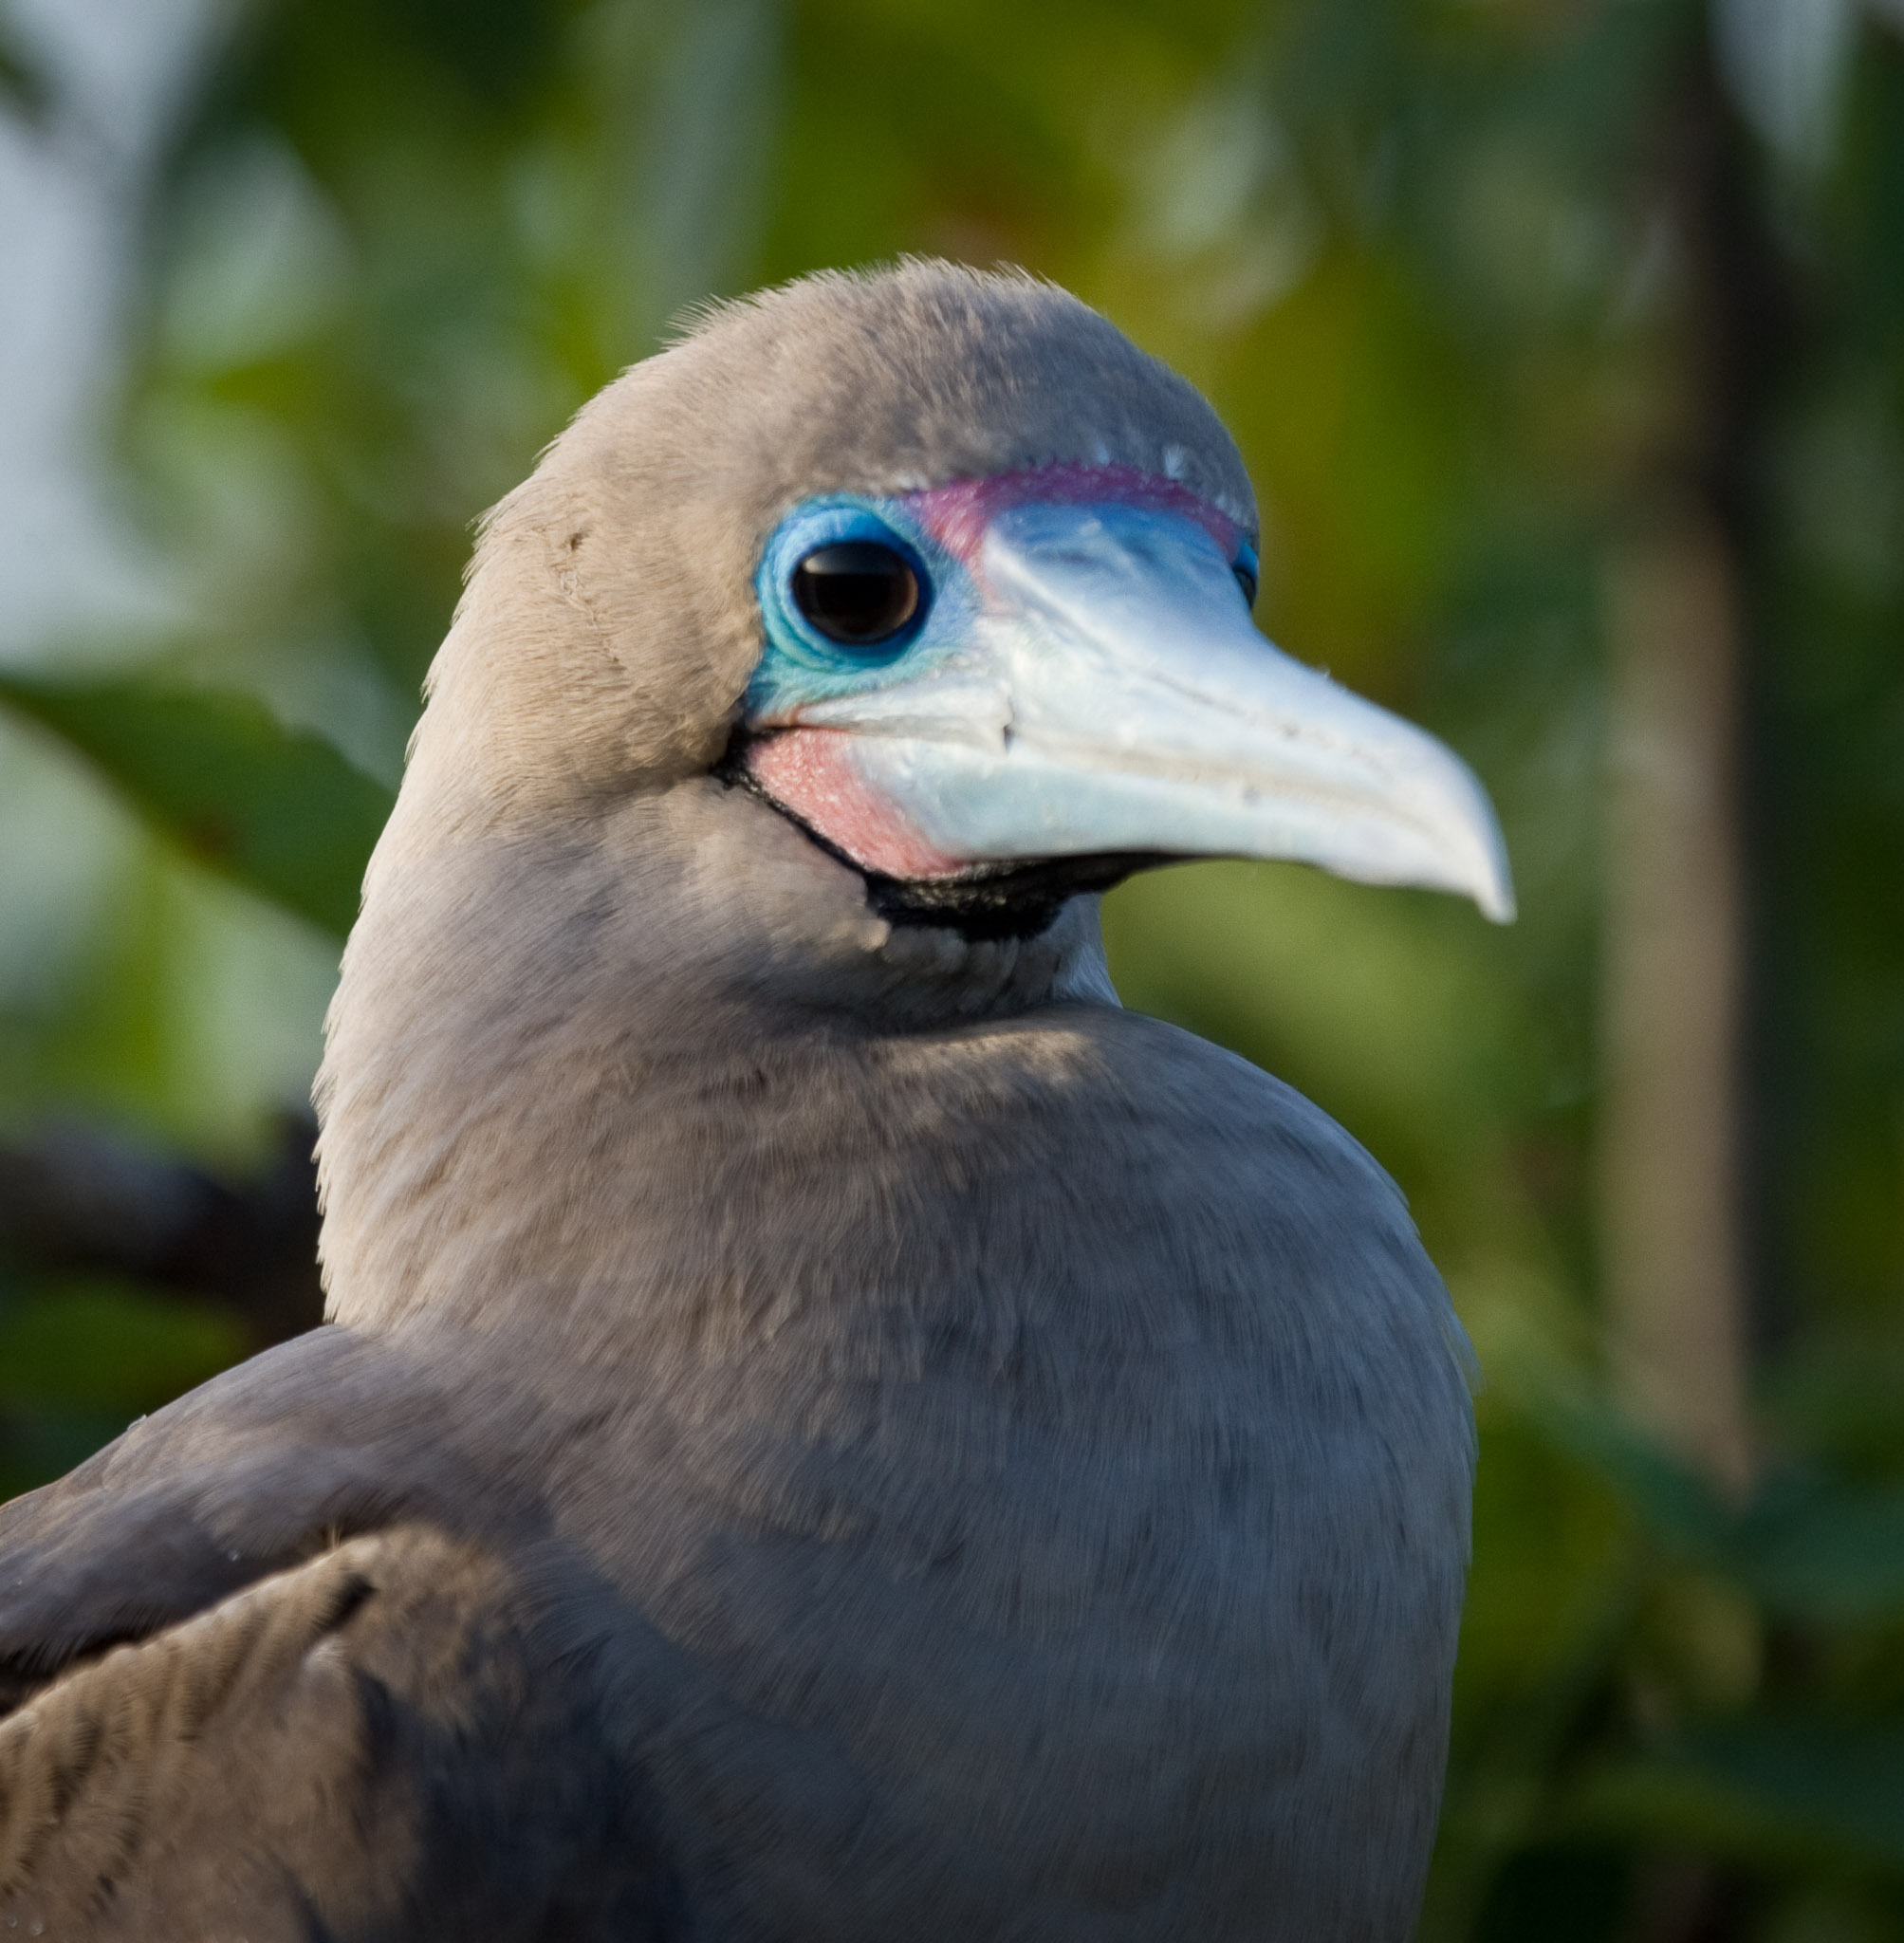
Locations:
(1246, 581)
(857, 591)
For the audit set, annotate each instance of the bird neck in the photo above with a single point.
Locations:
(563, 1062)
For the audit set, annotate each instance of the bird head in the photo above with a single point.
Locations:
(822, 668)
(942, 569)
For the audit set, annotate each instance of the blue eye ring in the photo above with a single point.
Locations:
(1248, 571)
(818, 529)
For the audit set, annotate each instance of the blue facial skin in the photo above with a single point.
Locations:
(1248, 571)
(802, 665)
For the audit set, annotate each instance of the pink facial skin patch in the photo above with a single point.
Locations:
(956, 515)
(811, 772)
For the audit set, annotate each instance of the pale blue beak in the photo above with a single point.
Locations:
(1099, 688)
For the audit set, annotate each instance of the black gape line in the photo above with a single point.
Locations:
(984, 901)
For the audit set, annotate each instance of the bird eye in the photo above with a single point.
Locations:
(857, 592)
(1243, 567)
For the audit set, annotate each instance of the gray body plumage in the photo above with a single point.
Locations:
(829, 1429)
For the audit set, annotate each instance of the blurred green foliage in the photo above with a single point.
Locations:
(81, 1357)
(278, 809)
(1414, 250)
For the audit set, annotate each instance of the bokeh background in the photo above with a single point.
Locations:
(1566, 340)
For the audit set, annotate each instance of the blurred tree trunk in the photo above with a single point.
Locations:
(1673, 1256)
(1676, 995)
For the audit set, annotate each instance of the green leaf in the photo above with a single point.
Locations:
(277, 808)
(23, 88)
(1676, 1505)
(1802, 1545)
(1828, 1554)
(1805, 1791)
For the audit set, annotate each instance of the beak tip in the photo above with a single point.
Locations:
(1491, 885)
(1476, 837)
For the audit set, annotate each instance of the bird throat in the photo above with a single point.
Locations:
(979, 901)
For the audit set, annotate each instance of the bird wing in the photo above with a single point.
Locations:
(377, 1742)
(251, 1473)
(288, 1661)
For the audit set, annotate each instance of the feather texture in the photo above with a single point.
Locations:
(827, 1430)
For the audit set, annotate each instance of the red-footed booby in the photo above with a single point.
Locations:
(827, 1427)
